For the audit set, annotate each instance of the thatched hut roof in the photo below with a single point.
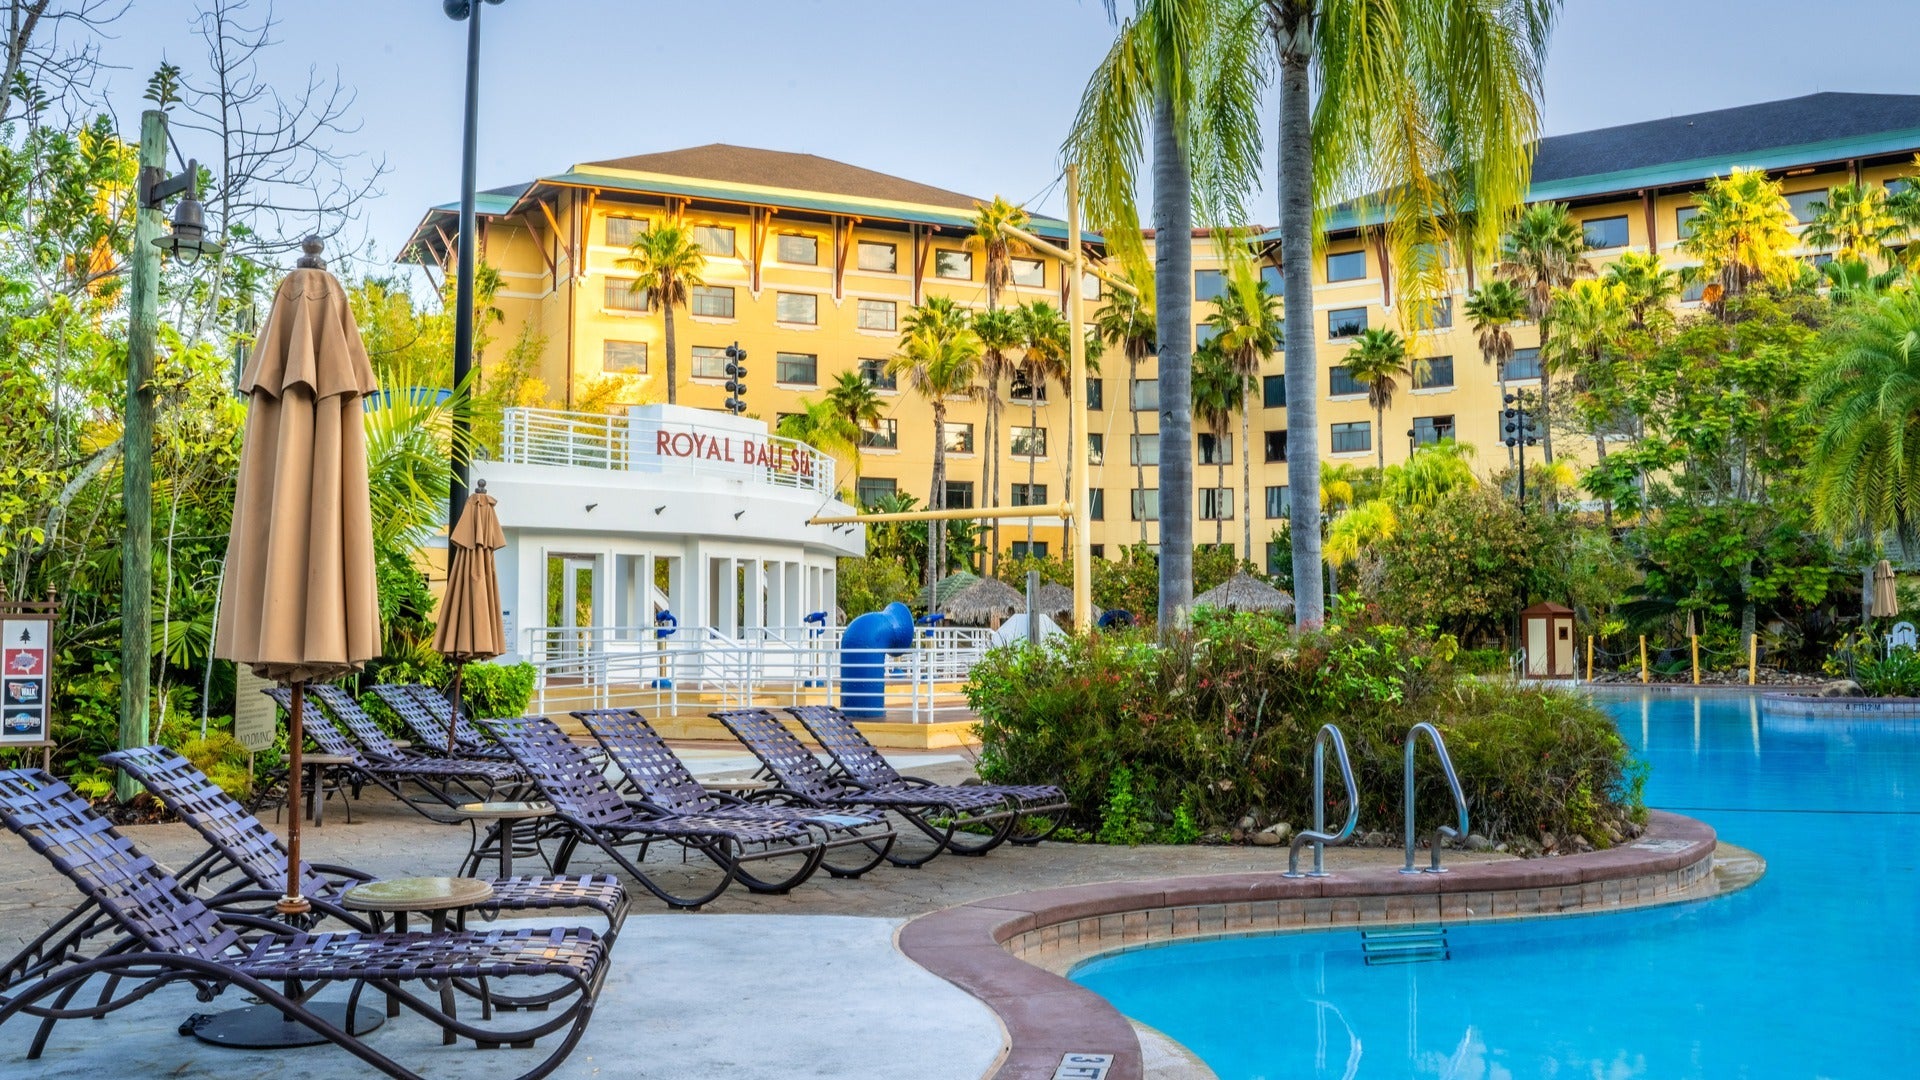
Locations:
(1244, 592)
(1056, 601)
(987, 599)
(947, 588)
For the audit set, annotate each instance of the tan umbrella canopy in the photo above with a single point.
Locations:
(470, 625)
(299, 601)
(1885, 604)
(1244, 592)
(983, 602)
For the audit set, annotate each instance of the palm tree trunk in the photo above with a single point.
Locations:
(937, 499)
(1295, 147)
(1173, 279)
(1600, 455)
(1380, 436)
(1033, 424)
(1549, 498)
(991, 496)
(1220, 470)
(673, 371)
(1133, 415)
(1246, 475)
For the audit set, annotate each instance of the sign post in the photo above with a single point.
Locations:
(26, 675)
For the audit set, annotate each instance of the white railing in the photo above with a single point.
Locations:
(631, 666)
(635, 444)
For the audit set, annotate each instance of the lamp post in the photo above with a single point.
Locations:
(468, 10)
(1519, 430)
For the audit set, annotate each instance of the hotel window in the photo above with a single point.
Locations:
(714, 239)
(1524, 365)
(709, 362)
(1205, 333)
(800, 368)
(797, 250)
(1090, 286)
(1146, 395)
(1097, 507)
(627, 356)
(1439, 315)
(879, 258)
(623, 231)
(1693, 292)
(1683, 221)
(959, 438)
(1353, 438)
(1143, 450)
(1096, 395)
(1215, 449)
(1802, 203)
(1428, 430)
(1279, 558)
(872, 489)
(799, 308)
(1027, 442)
(1028, 495)
(1897, 185)
(1272, 277)
(1216, 504)
(1346, 265)
(1440, 253)
(877, 375)
(1276, 446)
(1606, 232)
(1340, 383)
(959, 494)
(1146, 504)
(880, 435)
(711, 301)
(878, 315)
(1276, 500)
(1029, 272)
(1207, 285)
(1273, 391)
(1096, 448)
(1022, 549)
(1345, 322)
(620, 295)
(1433, 373)
(953, 264)
(1021, 388)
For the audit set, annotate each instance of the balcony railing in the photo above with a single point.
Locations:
(632, 444)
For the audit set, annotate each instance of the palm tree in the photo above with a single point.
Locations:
(1588, 319)
(825, 427)
(1433, 472)
(1544, 251)
(1646, 286)
(1180, 87)
(940, 357)
(1000, 336)
(1742, 235)
(1491, 309)
(667, 263)
(1045, 345)
(1865, 466)
(1366, 526)
(1126, 322)
(1851, 281)
(1377, 359)
(1854, 222)
(996, 248)
(854, 400)
(1247, 326)
(1435, 103)
(1218, 391)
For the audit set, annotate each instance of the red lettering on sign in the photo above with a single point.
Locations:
(661, 440)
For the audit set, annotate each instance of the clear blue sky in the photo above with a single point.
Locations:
(972, 95)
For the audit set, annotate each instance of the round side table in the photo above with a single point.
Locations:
(437, 897)
(500, 841)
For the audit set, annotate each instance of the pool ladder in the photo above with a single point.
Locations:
(1318, 836)
(1456, 831)
(1404, 945)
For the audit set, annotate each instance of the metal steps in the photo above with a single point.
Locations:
(1404, 945)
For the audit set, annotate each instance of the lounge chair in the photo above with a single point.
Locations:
(427, 712)
(664, 787)
(171, 936)
(858, 760)
(448, 781)
(589, 810)
(946, 815)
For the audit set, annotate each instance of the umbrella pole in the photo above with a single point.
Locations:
(293, 903)
(453, 694)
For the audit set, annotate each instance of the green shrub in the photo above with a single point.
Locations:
(1897, 675)
(497, 690)
(1161, 743)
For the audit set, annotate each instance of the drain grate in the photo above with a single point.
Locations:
(1404, 945)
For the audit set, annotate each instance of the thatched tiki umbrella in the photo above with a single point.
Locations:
(1055, 601)
(1885, 604)
(470, 624)
(1244, 592)
(984, 601)
(299, 602)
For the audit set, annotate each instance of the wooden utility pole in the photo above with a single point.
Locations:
(1077, 464)
(136, 547)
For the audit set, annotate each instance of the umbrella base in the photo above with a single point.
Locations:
(263, 1027)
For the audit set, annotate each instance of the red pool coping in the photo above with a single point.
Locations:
(1047, 1015)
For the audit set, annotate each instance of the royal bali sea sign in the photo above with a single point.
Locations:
(704, 446)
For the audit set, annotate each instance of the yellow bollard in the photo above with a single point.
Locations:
(1589, 657)
(1695, 639)
(1643, 658)
(1753, 656)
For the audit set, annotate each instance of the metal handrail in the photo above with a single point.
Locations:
(1318, 835)
(1453, 783)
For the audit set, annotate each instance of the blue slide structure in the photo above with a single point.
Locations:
(863, 659)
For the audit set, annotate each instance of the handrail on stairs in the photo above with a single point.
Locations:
(1318, 836)
(1453, 783)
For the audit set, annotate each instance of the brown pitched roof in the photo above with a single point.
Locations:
(794, 172)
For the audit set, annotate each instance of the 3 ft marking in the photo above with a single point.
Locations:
(1082, 1066)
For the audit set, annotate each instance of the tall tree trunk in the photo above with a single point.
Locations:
(1549, 495)
(1173, 279)
(1246, 475)
(673, 370)
(1133, 444)
(1380, 436)
(989, 477)
(1600, 455)
(1033, 425)
(937, 500)
(1220, 470)
(1295, 147)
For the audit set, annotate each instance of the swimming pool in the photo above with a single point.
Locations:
(1812, 972)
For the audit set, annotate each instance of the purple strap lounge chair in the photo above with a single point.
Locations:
(447, 781)
(427, 712)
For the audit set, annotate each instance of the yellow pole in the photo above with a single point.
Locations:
(1056, 510)
(1589, 657)
(1695, 639)
(1119, 283)
(1753, 656)
(1077, 398)
(1643, 658)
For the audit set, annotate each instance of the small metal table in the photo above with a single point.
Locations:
(500, 840)
(323, 776)
(438, 897)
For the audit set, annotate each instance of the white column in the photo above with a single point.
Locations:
(754, 611)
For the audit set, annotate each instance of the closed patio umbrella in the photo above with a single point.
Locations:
(299, 602)
(470, 625)
(1885, 604)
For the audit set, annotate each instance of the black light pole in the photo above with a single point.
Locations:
(463, 297)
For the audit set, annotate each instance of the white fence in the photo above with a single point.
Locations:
(632, 666)
(639, 444)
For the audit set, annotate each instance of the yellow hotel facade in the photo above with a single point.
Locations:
(813, 264)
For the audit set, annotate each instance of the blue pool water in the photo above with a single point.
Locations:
(1812, 972)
